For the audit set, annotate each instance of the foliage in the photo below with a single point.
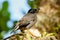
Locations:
(4, 17)
(34, 3)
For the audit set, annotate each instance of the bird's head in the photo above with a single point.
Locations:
(33, 11)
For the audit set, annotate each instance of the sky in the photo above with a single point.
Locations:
(16, 8)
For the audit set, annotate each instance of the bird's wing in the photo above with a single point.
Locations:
(25, 21)
(16, 27)
(29, 19)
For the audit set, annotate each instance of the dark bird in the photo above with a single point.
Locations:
(27, 21)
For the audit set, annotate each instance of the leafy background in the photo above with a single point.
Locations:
(6, 15)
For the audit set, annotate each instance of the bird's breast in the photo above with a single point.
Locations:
(29, 17)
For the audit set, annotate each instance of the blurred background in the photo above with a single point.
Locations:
(10, 12)
(13, 10)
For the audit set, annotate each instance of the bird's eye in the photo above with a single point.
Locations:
(35, 11)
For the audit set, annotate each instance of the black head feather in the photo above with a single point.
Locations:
(33, 11)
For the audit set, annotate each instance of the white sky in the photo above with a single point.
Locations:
(15, 7)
